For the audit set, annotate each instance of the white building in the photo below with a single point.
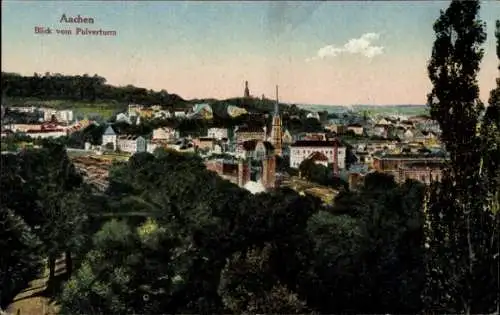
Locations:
(52, 133)
(375, 145)
(356, 128)
(314, 115)
(131, 144)
(217, 133)
(109, 136)
(180, 114)
(162, 114)
(151, 146)
(218, 149)
(60, 115)
(301, 150)
(122, 117)
(65, 115)
(24, 109)
(165, 133)
(408, 134)
(133, 109)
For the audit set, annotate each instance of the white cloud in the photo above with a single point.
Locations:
(361, 46)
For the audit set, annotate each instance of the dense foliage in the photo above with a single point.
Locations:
(178, 246)
(320, 174)
(168, 236)
(159, 242)
(462, 264)
(81, 88)
(41, 197)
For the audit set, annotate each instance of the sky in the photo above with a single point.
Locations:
(328, 52)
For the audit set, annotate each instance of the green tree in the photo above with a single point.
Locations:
(367, 248)
(128, 270)
(490, 134)
(248, 286)
(490, 168)
(321, 174)
(459, 229)
(21, 258)
(203, 225)
(41, 188)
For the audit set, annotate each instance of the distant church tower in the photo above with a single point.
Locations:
(277, 132)
(247, 91)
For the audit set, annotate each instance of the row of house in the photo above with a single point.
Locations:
(48, 129)
(200, 110)
(126, 143)
(64, 116)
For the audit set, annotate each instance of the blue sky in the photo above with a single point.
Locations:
(318, 52)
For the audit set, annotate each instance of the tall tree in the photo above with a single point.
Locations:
(21, 257)
(490, 129)
(490, 167)
(460, 224)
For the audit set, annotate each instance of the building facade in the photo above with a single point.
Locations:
(165, 133)
(301, 150)
(131, 144)
(357, 129)
(204, 143)
(109, 138)
(254, 149)
(246, 133)
(425, 172)
(60, 115)
(392, 162)
(217, 133)
(47, 133)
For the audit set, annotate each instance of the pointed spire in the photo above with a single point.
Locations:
(247, 91)
(276, 106)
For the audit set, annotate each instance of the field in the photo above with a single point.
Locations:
(115, 156)
(103, 109)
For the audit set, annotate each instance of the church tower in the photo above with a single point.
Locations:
(247, 91)
(277, 132)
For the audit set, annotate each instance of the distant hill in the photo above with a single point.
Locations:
(403, 109)
(92, 91)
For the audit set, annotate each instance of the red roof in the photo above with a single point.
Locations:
(44, 130)
(251, 128)
(315, 143)
(317, 156)
(229, 169)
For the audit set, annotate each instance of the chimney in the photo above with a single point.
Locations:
(243, 173)
(269, 172)
(335, 158)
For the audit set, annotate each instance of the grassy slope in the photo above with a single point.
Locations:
(104, 109)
